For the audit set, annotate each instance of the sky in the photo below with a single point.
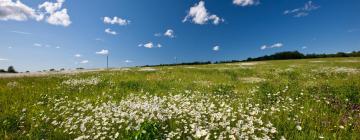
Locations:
(42, 34)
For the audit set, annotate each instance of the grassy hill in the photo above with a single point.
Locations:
(291, 99)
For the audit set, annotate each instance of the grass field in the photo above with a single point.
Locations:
(290, 99)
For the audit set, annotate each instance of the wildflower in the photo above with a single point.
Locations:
(298, 127)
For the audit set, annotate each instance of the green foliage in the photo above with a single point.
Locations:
(147, 131)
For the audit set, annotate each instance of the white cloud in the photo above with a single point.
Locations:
(10, 47)
(57, 47)
(3, 59)
(302, 11)
(78, 55)
(199, 15)
(56, 15)
(304, 47)
(59, 18)
(100, 39)
(18, 11)
(169, 33)
(21, 32)
(109, 31)
(84, 62)
(149, 45)
(128, 61)
(159, 45)
(277, 45)
(37, 45)
(103, 52)
(116, 20)
(157, 34)
(245, 2)
(216, 48)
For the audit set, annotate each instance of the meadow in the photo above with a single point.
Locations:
(285, 99)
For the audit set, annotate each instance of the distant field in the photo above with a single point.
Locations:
(289, 99)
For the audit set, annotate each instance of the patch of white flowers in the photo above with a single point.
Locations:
(192, 116)
(82, 82)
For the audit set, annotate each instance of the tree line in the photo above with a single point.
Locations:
(297, 55)
(10, 69)
(277, 56)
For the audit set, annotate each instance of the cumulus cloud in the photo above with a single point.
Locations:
(302, 11)
(56, 15)
(3, 59)
(103, 52)
(109, 31)
(84, 62)
(216, 48)
(245, 2)
(59, 18)
(277, 45)
(116, 20)
(199, 15)
(57, 47)
(18, 11)
(169, 33)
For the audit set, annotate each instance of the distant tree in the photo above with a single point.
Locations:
(62, 69)
(52, 70)
(2, 71)
(27, 71)
(11, 69)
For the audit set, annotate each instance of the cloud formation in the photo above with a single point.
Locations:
(245, 2)
(18, 11)
(277, 45)
(302, 11)
(150, 45)
(199, 15)
(56, 15)
(3, 59)
(116, 20)
(216, 48)
(109, 31)
(77, 55)
(169, 33)
(51, 11)
(103, 52)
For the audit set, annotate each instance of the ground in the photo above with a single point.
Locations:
(287, 99)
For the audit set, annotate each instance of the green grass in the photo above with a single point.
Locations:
(322, 96)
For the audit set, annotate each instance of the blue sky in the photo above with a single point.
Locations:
(39, 34)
